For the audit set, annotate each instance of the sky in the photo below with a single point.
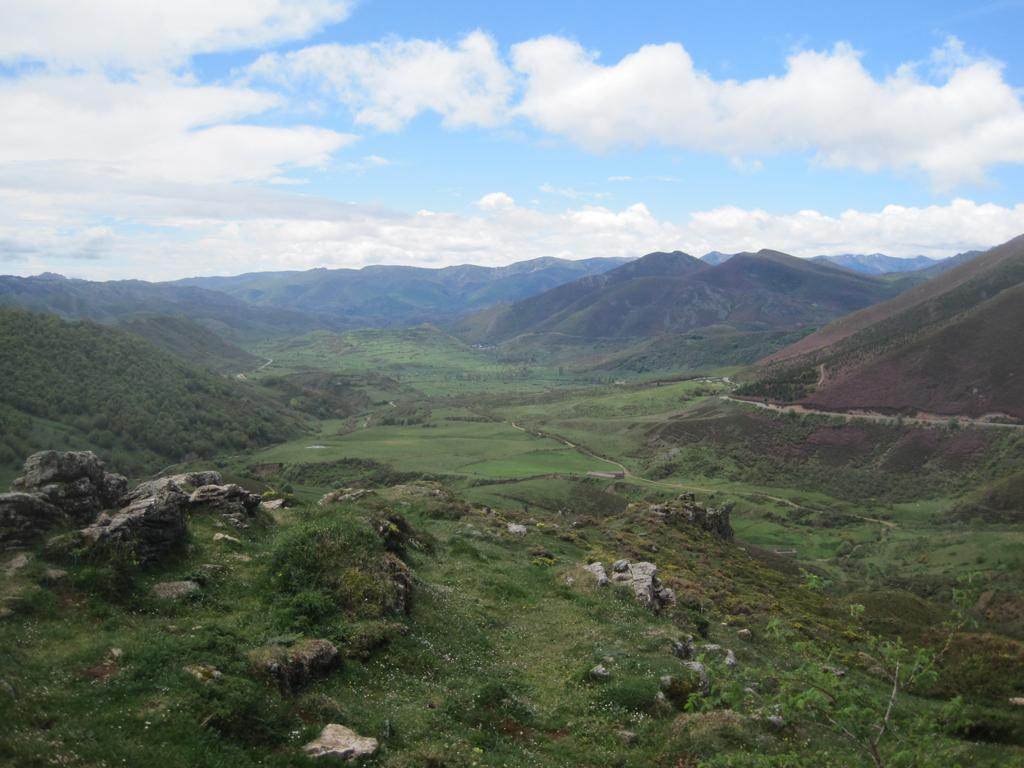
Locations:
(159, 140)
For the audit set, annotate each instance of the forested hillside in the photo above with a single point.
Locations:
(84, 385)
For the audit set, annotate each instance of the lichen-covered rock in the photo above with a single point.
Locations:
(150, 527)
(292, 666)
(598, 572)
(342, 495)
(341, 743)
(516, 529)
(182, 483)
(679, 688)
(647, 587)
(73, 481)
(48, 467)
(401, 580)
(234, 503)
(221, 496)
(686, 510)
(26, 516)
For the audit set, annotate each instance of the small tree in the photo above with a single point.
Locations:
(820, 694)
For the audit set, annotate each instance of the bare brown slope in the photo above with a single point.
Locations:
(976, 270)
(972, 366)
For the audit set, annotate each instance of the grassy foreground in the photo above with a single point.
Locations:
(490, 666)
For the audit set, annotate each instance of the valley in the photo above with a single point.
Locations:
(430, 507)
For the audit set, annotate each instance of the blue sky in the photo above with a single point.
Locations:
(195, 138)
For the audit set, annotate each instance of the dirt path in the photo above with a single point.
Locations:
(269, 361)
(919, 419)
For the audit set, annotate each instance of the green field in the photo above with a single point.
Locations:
(442, 446)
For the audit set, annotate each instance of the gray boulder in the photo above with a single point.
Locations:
(340, 743)
(151, 527)
(597, 571)
(233, 502)
(182, 483)
(647, 587)
(24, 517)
(73, 481)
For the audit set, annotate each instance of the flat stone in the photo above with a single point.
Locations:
(174, 590)
(516, 529)
(340, 742)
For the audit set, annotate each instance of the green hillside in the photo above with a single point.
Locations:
(84, 385)
(186, 339)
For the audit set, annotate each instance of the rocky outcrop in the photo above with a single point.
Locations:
(343, 495)
(341, 743)
(150, 527)
(647, 587)
(401, 582)
(75, 482)
(182, 483)
(24, 517)
(292, 666)
(686, 510)
(234, 503)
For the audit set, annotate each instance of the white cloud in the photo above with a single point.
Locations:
(950, 117)
(495, 201)
(937, 230)
(388, 83)
(156, 127)
(225, 229)
(826, 102)
(152, 33)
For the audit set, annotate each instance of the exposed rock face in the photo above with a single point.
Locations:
(401, 580)
(152, 527)
(647, 587)
(184, 483)
(341, 743)
(234, 502)
(688, 511)
(24, 517)
(73, 481)
(295, 665)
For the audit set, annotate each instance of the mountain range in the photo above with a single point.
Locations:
(664, 293)
(382, 296)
